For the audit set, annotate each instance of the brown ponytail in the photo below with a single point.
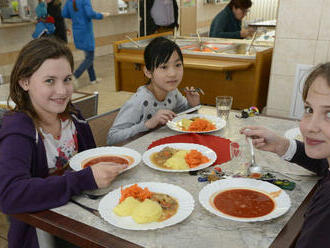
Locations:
(74, 5)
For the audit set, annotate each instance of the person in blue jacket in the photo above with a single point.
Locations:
(81, 12)
(45, 25)
(228, 22)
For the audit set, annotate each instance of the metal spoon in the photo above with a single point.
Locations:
(253, 168)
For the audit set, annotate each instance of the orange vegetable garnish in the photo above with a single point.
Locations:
(194, 158)
(201, 125)
(205, 49)
(136, 192)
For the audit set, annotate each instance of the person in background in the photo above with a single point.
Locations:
(39, 136)
(54, 9)
(162, 16)
(150, 24)
(159, 100)
(228, 22)
(81, 12)
(45, 25)
(313, 154)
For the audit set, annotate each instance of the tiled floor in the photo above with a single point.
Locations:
(109, 99)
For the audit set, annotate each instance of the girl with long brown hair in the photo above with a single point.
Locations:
(39, 136)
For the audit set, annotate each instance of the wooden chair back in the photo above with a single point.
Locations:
(100, 125)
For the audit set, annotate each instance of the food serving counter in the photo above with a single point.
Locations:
(218, 66)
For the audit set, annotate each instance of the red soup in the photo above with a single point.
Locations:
(114, 159)
(243, 203)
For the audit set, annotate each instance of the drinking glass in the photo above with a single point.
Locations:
(240, 157)
(223, 106)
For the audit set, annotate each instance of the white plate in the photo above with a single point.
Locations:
(183, 146)
(184, 198)
(218, 122)
(294, 133)
(76, 160)
(282, 202)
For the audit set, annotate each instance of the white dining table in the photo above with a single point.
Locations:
(201, 228)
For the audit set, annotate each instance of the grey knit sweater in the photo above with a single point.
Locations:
(140, 108)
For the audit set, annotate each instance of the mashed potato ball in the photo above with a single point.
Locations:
(126, 207)
(177, 161)
(186, 123)
(148, 211)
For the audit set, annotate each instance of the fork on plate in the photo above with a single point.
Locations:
(199, 90)
(193, 109)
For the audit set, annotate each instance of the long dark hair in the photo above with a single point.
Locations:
(159, 51)
(29, 60)
(321, 70)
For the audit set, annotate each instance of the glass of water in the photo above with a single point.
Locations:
(240, 157)
(223, 105)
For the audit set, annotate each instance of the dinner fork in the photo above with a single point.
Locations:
(199, 90)
(91, 210)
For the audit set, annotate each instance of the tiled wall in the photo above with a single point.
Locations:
(302, 37)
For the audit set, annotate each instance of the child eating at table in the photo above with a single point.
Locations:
(159, 100)
(39, 136)
(313, 154)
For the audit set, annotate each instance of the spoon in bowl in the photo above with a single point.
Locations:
(254, 170)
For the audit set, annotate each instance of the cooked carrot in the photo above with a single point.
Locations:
(136, 192)
(201, 125)
(195, 158)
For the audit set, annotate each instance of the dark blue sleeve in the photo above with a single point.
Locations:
(319, 166)
(315, 230)
(218, 27)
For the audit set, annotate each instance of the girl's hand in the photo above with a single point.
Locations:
(246, 32)
(105, 14)
(192, 96)
(160, 118)
(266, 140)
(105, 172)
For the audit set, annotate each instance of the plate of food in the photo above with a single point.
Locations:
(244, 199)
(196, 123)
(146, 206)
(179, 157)
(121, 155)
(294, 133)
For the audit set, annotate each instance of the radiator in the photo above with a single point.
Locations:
(262, 10)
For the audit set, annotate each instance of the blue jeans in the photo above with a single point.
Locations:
(87, 64)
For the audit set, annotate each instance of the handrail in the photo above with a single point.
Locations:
(194, 63)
